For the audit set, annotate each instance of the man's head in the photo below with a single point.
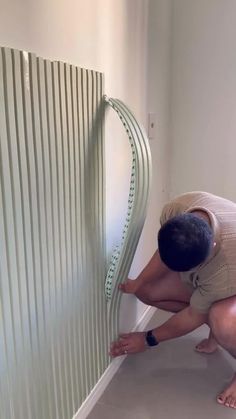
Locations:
(184, 242)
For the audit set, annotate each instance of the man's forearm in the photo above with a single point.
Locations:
(153, 270)
(180, 324)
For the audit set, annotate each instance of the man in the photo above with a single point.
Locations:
(193, 274)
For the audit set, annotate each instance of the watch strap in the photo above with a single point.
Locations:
(151, 339)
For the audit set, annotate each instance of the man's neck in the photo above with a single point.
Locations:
(203, 215)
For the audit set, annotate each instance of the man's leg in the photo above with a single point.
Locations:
(167, 293)
(207, 346)
(222, 320)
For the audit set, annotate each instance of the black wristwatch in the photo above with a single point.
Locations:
(150, 339)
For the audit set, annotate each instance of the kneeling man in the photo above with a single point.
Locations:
(192, 274)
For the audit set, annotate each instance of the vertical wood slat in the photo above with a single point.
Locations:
(74, 209)
(53, 336)
(59, 206)
(80, 232)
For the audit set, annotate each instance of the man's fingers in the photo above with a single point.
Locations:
(119, 350)
(115, 345)
(121, 343)
(125, 286)
(128, 343)
(120, 347)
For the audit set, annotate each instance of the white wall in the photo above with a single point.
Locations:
(204, 97)
(109, 36)
(157, 101)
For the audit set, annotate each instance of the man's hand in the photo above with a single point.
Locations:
(154, 270)
(130, 286)
(129, 343)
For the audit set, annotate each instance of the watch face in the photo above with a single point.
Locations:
(150, 338)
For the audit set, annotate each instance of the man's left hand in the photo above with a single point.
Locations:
(129, 343)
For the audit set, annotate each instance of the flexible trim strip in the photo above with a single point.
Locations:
(137, 207)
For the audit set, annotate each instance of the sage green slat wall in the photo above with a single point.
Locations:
(55, 321)
(53, 313)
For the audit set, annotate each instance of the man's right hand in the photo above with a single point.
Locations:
(130, 286)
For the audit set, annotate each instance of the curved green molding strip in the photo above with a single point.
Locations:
(137, 207)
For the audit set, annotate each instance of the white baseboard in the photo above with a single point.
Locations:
(105, 379)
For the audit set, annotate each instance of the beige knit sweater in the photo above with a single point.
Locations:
(215, 279)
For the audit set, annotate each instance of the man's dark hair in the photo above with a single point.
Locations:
(184, 242)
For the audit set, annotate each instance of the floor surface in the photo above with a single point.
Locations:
(169, 381)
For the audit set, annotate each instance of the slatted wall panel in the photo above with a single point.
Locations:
(53, 320)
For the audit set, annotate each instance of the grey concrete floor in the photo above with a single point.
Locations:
(169, 381)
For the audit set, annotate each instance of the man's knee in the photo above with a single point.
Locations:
(222, 323)
(144, 294)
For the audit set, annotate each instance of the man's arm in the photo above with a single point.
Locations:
(153, 270)
(178, 325)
